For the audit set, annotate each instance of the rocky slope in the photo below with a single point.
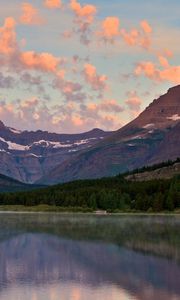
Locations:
(161, 173)
(27, 156)
(150, 138)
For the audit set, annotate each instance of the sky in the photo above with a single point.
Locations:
(68, 66)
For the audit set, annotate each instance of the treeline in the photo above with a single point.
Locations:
(153, 167)
(111, 194)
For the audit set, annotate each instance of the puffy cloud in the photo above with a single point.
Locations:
(30, 15)
(110, 31)
(104, 114)
(110, 28)
(6, 82)
(171, 73)
(77, 120)
(16, 60)
(136, 37)
(8, 37)
(150, 70)
(32, 80)
(110, 105)
(146, 27)
(70, 116)
(53, 3)
(67, 34)
(27, 114)
(84, 17)
(97, 82)
(40, 61)
(163, 61)
(87, 12)
(29, 103)
(134, 103)
(72, 91)
(131, 38)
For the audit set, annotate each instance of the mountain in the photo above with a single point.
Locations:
(49, 158)
(8, 184)
(28, 155)
(151, 138)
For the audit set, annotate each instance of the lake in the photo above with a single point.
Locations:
(46, 256)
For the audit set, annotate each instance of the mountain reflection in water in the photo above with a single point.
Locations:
(38, 265)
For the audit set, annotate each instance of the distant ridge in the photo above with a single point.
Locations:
(8, 184)
(29, 155)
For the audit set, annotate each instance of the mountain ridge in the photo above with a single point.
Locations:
(44, 157)
(28, 155)
(143, 141)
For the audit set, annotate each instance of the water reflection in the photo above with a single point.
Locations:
(38, 265)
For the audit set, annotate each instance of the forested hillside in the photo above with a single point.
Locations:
(111, 194)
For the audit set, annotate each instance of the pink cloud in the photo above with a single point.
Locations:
(97, 82)
(109, 28)
(146, 27)
(147, 68)
(138, 37)
(110, 105)
(40, 61)
(72, 91)
(32, 113)
(131, 38)
(87, 12)
(134, 103)
(53, 3)
(163, 61)
(84, 18)
(17, 60)
(150, 70)
(30, 15)
(8, 37)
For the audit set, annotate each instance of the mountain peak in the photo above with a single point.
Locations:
(1, 125)
(162, 112)
(174, 89)
(98, 130)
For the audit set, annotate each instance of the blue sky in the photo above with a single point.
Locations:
(111, 59)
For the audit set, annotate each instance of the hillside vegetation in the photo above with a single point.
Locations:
(112, 194)
(165, 170)
(8, 184)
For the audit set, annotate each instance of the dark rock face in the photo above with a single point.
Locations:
(150, 138)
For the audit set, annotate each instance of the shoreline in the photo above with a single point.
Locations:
(44, 209)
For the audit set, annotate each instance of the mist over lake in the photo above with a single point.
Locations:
(64, 256)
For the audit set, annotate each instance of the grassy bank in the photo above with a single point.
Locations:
(59, 209)
(44, 208)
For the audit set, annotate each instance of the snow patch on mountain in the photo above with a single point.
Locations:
(45, 144)
(14, 130)
(147, 126)
(175, 117)
(136, 137)
(14, 146)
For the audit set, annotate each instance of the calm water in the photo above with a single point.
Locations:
(81, 257)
